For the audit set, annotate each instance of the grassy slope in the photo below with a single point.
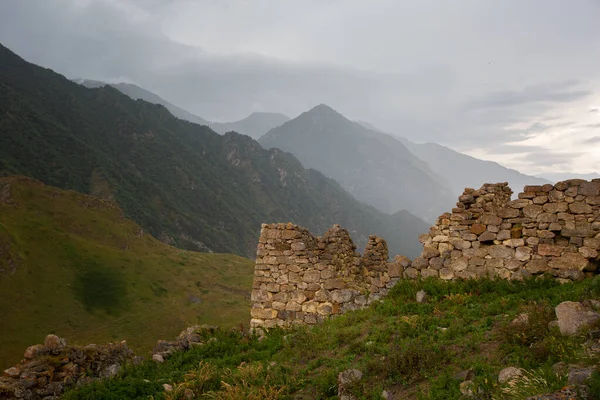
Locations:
(86, 274)
(398, 344)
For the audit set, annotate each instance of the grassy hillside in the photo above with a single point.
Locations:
(71, 264)
(412, 350)
(182, 182)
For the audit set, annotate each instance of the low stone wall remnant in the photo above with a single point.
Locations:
(551, 229)
(302, 279)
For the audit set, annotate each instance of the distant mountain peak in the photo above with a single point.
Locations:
(324, 108)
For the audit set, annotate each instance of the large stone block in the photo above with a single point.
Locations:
(569, 261)
(573, 317)
(312, 276)
(532, 210)
(519, 203)
(536, 266)
(263, 313)
(499, 251)
(430, 252)
(334, 284)
(579, 207)
(325, 309)
(478, 229)
(342, 296)
(487, 236)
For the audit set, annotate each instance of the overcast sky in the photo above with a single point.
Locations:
(514, 81)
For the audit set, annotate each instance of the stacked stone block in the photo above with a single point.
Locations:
(302, 279)
(548, 229)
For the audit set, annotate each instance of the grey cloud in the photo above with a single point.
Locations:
(594, 110)
(561, 92)
(421, 79)
(549, 158)
(592, 140)
(517, 149)
(592, 125)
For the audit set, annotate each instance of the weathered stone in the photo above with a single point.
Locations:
(519, 203)
(429, 273)
(441, 238)
(158, 358)
(487, 236)
(478, 229)
(579, 375)
(394, 270)
(569, 261)
(523, 253)
(263, 313)
(346, 379)
(508, 213)
(430, 252)
(509, 374)
(503, 235)
(459, 264)
(514, 242)
(580, 208)
(411, 273)
(549, 250)
(446, 274)
(490, 219)
(54, 343)
(421, 296)
(588, 252)
(532, 210)
(468, 236)
(536, 266)
(540, 199)
(499, 251)
(334, 284)
(573, 316)
(402, 261)
(512, 264)
(419, 263)
(342, 296)
(325, 309)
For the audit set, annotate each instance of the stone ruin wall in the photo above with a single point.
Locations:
(555, 229)
(302, 279)
(551, 229)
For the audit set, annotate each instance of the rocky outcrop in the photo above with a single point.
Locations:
(49, 368)
(551, 229)
(302, 279)
(196, 335)
(573, 317)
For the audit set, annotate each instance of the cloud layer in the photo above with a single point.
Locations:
(513, 81)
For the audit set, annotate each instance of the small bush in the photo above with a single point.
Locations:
(530, 327)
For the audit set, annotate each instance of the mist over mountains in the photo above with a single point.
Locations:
(255, 125)
(184, 183)
(445, 172)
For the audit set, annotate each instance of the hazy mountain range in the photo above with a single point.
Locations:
(255, 125)
(184, 183)
(448, 168)
(375, 168)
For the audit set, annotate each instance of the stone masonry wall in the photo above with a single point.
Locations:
(548, 229)
(302, 279)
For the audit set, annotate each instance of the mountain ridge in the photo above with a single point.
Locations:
(376, 168)
(181, 181)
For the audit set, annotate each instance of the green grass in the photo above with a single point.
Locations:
(398, 344)
(85, 273)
